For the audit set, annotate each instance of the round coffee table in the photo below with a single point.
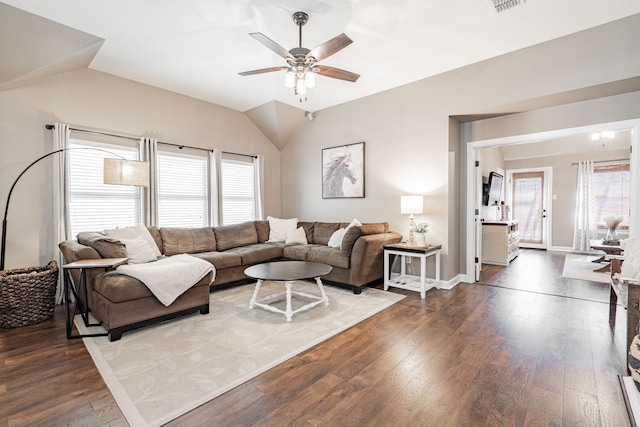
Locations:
(287, 272)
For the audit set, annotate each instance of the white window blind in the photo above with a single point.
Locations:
(238, 191)
(612, 189)
(94, 206)
(182, 190)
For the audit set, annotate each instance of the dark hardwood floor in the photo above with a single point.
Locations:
(476, 355)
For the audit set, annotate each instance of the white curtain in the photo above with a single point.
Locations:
(148, 153)
(215, 160)
(62, 222)
(258, 174)
(585, 223)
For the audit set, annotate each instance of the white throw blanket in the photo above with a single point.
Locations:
(169, 277)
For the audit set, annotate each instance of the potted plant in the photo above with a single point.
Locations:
(420, 233)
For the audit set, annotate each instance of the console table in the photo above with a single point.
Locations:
(404, 280)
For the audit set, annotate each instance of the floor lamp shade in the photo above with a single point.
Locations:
(126, 172)
(116, 171)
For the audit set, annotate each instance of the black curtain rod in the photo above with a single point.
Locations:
(180, 146)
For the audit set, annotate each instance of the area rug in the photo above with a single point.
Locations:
(161, 372)
(581, 267)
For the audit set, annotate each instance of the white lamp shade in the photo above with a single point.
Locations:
(126, 172)
(411, 204)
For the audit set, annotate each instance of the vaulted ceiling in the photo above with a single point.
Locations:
(198, 47)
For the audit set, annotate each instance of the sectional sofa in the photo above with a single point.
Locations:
(122, 303)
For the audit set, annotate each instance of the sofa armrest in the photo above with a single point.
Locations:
(366, 257)
(74, 251)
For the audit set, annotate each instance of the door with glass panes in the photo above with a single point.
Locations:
(528, 197)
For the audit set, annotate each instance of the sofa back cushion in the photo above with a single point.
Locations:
(375, 228)
(106, 246)
(349, 239)
(236, 235)
(322, 232)
(308, 229)
(187, 240)
(262, 228)
(155, 233)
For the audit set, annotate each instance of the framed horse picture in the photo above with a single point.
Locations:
(343, 171)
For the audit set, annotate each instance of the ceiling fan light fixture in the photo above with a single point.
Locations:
(290, 79)
(301, 66)
(310, 78)
(301, 87)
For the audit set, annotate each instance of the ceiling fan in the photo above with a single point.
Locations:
(302, 63)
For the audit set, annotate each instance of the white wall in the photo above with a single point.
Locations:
(409, 143)
(96, 100)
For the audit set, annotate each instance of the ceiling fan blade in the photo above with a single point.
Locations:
(271, 45)
(336, 73)
(262, 70)
(330, 47)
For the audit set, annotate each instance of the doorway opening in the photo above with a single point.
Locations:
(550, 140)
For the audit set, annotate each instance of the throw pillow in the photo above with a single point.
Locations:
(134, 232)
(278, 228)
(298, 236)
(106, 246)
(138, 250)
(354, 223)
(335, 241)
(630, 268)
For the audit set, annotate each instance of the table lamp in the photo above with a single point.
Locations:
(411, 205)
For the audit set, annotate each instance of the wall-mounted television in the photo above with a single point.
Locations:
(492, 190)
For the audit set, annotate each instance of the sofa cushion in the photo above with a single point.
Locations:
(322, 231)
(135, 232)
(262, 228)
(349, 239)
(297, 252)
(296, 237)
(278, 228)
(327, 255)
(335, 241)
(187, 240)
(260, 252)
(106, 246)
(155, 233)
(236, 235)
(220, 260)
(308, 229)
(118, 287)
(375, 228)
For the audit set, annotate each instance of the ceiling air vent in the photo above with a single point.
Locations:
(502, 5)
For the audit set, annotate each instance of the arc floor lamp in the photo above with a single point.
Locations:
(116, 171)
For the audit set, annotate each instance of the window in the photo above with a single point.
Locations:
(182, 190)
(94, 206)
(238, 191)
(612, 190)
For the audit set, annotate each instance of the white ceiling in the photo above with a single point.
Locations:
(197, 47)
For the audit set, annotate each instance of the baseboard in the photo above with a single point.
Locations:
(450, 284)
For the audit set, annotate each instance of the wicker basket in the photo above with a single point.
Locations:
(27, 295)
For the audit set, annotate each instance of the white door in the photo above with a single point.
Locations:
(528, 196)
